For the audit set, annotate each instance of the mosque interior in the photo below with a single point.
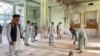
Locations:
(72, 13)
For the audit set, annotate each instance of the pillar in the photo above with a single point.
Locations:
(25, 10)
(14, 9)
(50, 17)
(65, 17)
(82, 20)
(69, 11)
(44, 13)
(98, 22)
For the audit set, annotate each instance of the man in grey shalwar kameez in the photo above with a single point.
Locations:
(81, 38)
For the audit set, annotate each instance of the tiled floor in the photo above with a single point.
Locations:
(61, 48)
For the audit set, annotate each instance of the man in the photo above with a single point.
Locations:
(74, 33)
(59, 30)
(27, 33)
(0, 33)
(36, 30)
(14, 35)
(32, 32)
(81, 38)
(51, 34)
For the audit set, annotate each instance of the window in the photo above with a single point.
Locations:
(5, 14)
(5, 9)
(1, 22)
(1, 16)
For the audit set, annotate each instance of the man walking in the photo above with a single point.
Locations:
(36, 30)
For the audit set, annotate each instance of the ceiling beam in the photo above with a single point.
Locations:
(74, 2)
(34, 2)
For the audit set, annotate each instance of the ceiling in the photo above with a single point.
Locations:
(52, 2)
(67, 2)
(73, 2)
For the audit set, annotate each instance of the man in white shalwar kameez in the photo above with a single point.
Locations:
(51, 34)
(32, 32)
(1, 33)
(27, 33)
(14, 36)
(60, 31)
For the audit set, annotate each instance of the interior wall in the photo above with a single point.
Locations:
(30, 14)
(37, 16)
(84, 7)
(57, 14)
(33, 17)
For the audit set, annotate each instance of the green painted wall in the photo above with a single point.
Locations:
(57, 15)
(29, 12)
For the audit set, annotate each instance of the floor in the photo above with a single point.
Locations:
(61, 47)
